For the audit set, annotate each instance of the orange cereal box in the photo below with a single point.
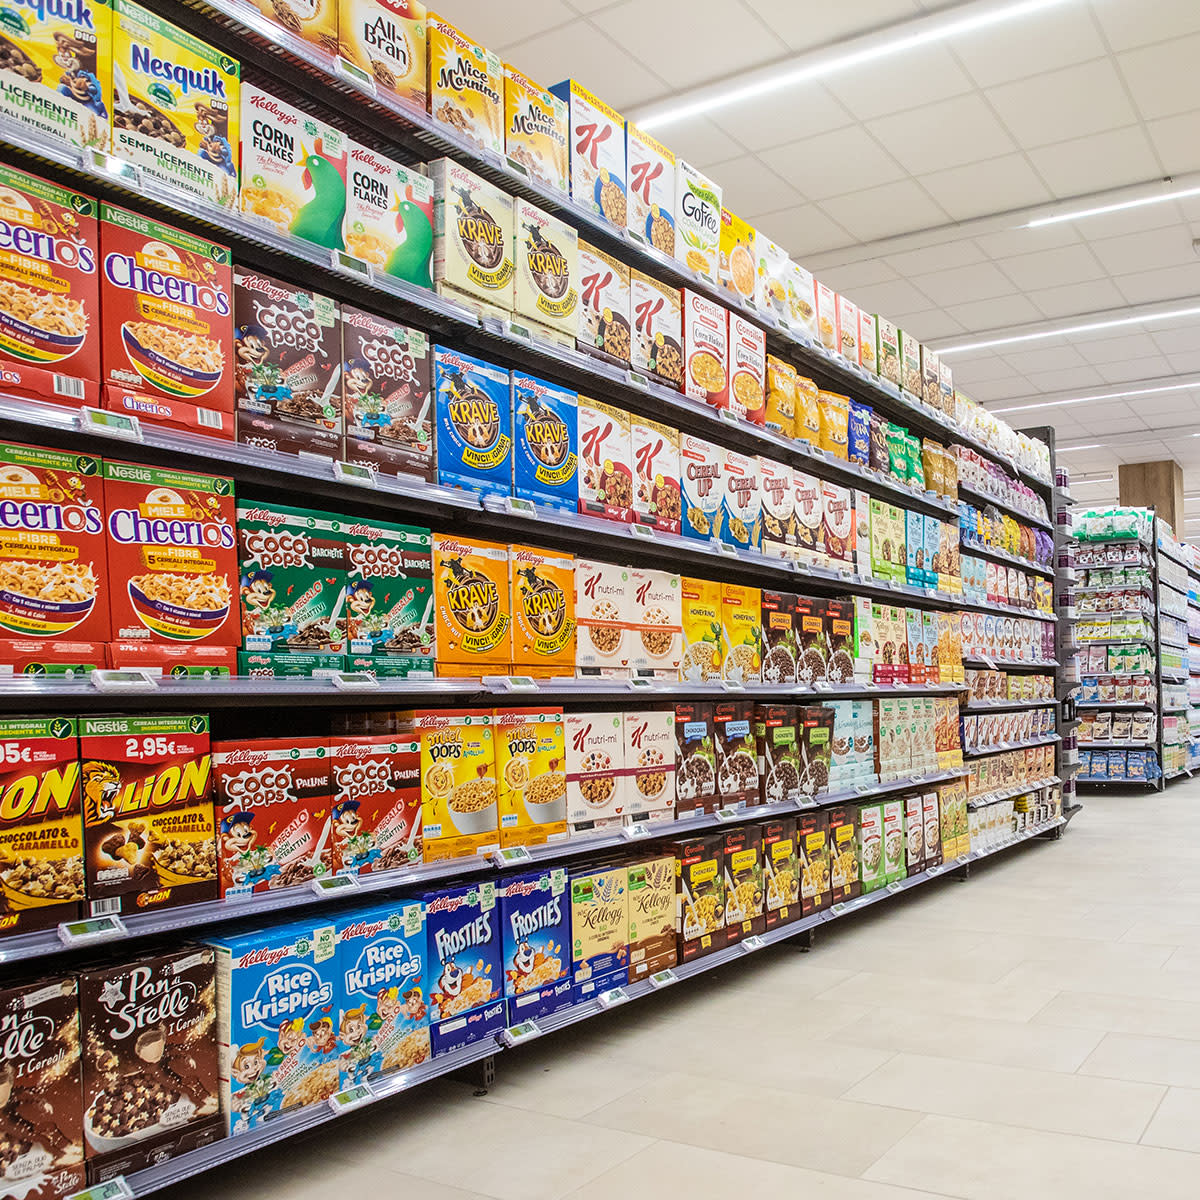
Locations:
(387, 38)
(471, 598)
(466, 85)
(542, 584)
(535, 129)
(172, 555)
(168, 303)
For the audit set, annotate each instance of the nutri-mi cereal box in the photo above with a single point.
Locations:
(604, 307)
(597, 152)
(604, 612)
(651, 209)
(542, 587)
(605, 461)
(697, 221)
(535, 129)
(387, 39)
(472, 606)
(466, 970)
(383, 1010)
(473, 248)
(277, 1004)
(389, 216)
(293, 577)
(175, 103)
(547, 281)
(656, 496)
(536, 921)
(272, 799)
(49, 288)
(656, 633)
(41, 831)
(596, 777)
(545, 442)
(375, 820)
(474, 423)
(531, 770)
(172, 555)
(657, 314)
(167, 299)
(650, 764)
(466, 86)
(599, 931)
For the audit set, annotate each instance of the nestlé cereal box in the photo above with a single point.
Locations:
(474, 423)
(389, 216)
(472, 605)
(387, 38)
(705, 349)
(657, 623)
(376, 813)
(466, 86)
(473, 248)
(599, 931)
(542, 587)
(651, 209)
(746, 397)
(656, 496)
(604, 305)
(657, 314)
(697, 221)
(536, 924)
(605, 461)
(32, 656)
(604, 615)
(531, 770)
(701, 619)
(650, 890)
(547, 283)
(545, 442)
(597, 153)
(536, 128)
(738, 275)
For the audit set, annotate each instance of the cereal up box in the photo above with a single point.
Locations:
(597, 153)
(387, 38)
(605, 461)
(545, 442)
(536, 128)
(651, 210)
(741, 500)
(466, 86)
(375, 818)
(547, 281)
(474, 423)
(700, 475)
(531, 770)
(472, 606)
(175, 105)
(473, 249)
(599, 931)
(535, 918)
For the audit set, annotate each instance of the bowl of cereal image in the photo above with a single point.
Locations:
(38, 327)
(472, 806)
(180, 607)
(181, 364)
(545, 797)
(135, 1109)
(41, 599)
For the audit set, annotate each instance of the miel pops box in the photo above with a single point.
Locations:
(531, 771)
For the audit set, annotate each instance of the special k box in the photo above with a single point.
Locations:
(651, 210)
(657, 328)
(172, 555)
(466, 85)
(147, 812)
(605, 461)
(271, 800)
(375, 821)
(656, 496)
(597, 153)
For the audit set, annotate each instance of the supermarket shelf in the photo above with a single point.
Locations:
(1003, 556)
(1001, 747)
(1176, 708)
(1000, 609)
(1004, 664)
(1140, 542)
(1133, 704)
(978, 498)
(1006, 705)
(1169, 775)
(1117, 745)
(1082, 614)
(1146, 641)
(1162, 641)
(1088, 781)
(1008, 793)
(1180, 676)
(1063, 497)
(1173, 553)
(1089, 589)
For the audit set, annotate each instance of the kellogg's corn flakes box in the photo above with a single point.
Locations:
(389, 216)
(651, 215)
(542, 585)
(466, 86)
(175, 105)
(535, 129)
(471, 599)
(387, 38)
(536, 932)
(597, 153)
(474, 423)
(531, 770)
(545, 441)
(547, 285)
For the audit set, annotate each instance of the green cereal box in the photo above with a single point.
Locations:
(257, 665)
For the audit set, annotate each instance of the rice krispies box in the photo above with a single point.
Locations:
(375, 820)
(474, 423)
(536, 924)
(545, 442)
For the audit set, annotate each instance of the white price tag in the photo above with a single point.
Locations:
(518, 167)
(839, 908)
(731, 685)
(123, 426)
(962, 860)
(347, 264)
(511, 856)
(752, 943)
(612, 997)
(526, 1031)
(509, 683)
(638, 380)
(334, 883)
(895, 886)
(632, 832)
(637, 684)
(519, 330)
(126, 679)
(519, 506)
(353, 1097)
(94, 929)
(354, 73)
(662, 979)
(355, 474)
(728, 417)
(115, 168)
(354, 681)
(728, 814)
(112, 1189)
(645, 532)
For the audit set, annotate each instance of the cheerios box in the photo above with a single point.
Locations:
(532, 774)
(536, 129)
(597, 135)
(472, 605)
(545, 457)
(596, 775)
(651, 209)
(599, 931)
(466, 968)
(175, 105)
(604, 305)
(535, 918)
(389, 216)
(547, 279)
(375, 819)
(474, 423)
(605, 461)
(466, 85)
(387, 39)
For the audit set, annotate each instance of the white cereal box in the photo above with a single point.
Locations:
(867, 358)
(604, 315)
(747, 396)
(801, 314)
(596, 781)
(827, 317)
(605, 461)
(656, 638)
(697, 221)
(597, 152)
(650, 763)
(655, 449)
(387, 38)
(603, 616)
(547, 254)
(700, 465)
(777, 488)
(770, 276)
(741, 500)
(651, 189)
(535, 129)
(472, 234)
(466, 85)
(657, 314)
(847, 321)
(705, 349)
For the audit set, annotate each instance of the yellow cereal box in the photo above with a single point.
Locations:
(702, 639)
(175, 102)
(741, 633)
(471, 598)
(314, 21)
(472, 235)
(542, 585)
(56, 69)
(535, 129)
(599, 931)
(466, 86)
(781, 396)
(737, 256)
(531, 771)
(387, 38)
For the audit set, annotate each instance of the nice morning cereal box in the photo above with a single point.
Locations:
(597, 153)
(389, 216)
(535, 129)
(472, 606)
(545, 442)
(474, 423)
(599, 931)
(175, 102)
(542, 587)
(531, 770)
(651, 210)
(536, 931)
(375, 820)
(387, 38)
(466, 86)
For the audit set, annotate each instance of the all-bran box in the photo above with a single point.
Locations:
(606, 461)
(293, 580)
(604, 306)
(387, 395)
(597, 153)
(650, 764)
(474, 423)
(536, 128)
(657, 623)
(545, 426)
(389, 216)
(472, 606)
(531, 771)
(167, 299)
(542, 587)
(148, 821)
(271, 799)
(657, 314)
(599, 931)
(473, 251)
(547, 283)
(175, 105)
(651, 209)
(650, 895)
(375, 820)
(383, 969)
(536, 923)
(387, 39)
(466, 86)
(277, 1004)
(41, 830)
(656, 496)
(700, 477)
(466, 968)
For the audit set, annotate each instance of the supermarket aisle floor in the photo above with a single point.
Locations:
(1034, 1032)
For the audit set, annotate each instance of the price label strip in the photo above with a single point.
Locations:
(95, 929)
(662, 979)
(354, 1097)
(752, 943)
(511, 856)
(334, 883)
(123, 426)
(355, 474)
(612, 998)
(526, 1031)
(112, 1189)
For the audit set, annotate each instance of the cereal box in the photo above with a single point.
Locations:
(736, 747)
(931, 378)
(650, 764)
(316, 23)
(737, 266)
(781, 872)
(695, 758)
(867, 354)
(847, 318)
(147, 812)
(41, 831)
(837, 524)
(32, 656)
(474, 423)
(744, 892)
(49, 286)
(827, 316)
(801, 315)
(150, 1076)
(604, 610)
(466, 86)
(536, 128)
(287, 377)
(812, 836)
(387, 38)
(657, 624)
(375, 818)
(697, 221)
(536, 929)
(471, 599)
(651, 210)
(705, 349)
(747, 370)
(779, 646)
(168, 303)
(741, 500)
(741, 633)
(542, 586)
(389, 216)
(383, 985)
(597, 153)
(702, 633)
(910, 364)
(175, 105)
(809, 516)
(655, 449)
(780, 408)
(545, 442)
(293, 579)
(844, 877)
(466, 965)
(778, 508)
(260, 665)
(272, 797)
(599, 931)
(650, 893)
(547, 283)
(604, 305)
(531, 770)
(699, 895)
(596, 775)
(294, 170)
(700, 470)
(473, 251)
(169, 414)
(606, 461)
(771, 276)
(657, 329)
(277, 1001)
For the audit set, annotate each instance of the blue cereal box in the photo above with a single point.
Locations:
(276, 1008)
(383, 1014)
(474, 423)
(545, 442)
(537, 933)
(465, 973)
(599, 931)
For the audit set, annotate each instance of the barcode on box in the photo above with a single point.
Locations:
(65, 385)
(105, 908)
(210, 417)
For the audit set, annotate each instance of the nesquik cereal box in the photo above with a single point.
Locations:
(387, 38)
(315, 21)
(656, 495)
(472, 606)
(651, 209)
(604, 305)
(597, 153)
(536, 128)
(466, 86)
(389, 216)
(545, 442)
(535, 920)
(605, 461)
(599, 931)
(376, 815)
(175, 103)
(542, 586)
(547, 284)
(657, 314)
(531, 769)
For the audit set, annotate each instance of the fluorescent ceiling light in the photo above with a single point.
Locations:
(1098, 479)
(1154, 391)
(856, 52)
(1068, 449)
(1080, 214)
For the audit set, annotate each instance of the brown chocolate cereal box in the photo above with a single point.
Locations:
(650, 889)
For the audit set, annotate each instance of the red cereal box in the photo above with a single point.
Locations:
(271, 798)
(172, 555)
(33, 656)
(705, 349)
(656, 497)
(376, 817)
(746, 397)
(168, 311)
(179, 661)
(170, 413)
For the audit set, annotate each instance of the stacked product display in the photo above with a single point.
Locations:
(1191, 693)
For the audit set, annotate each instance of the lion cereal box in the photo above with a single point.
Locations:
(781, 872)
(545, 442)
(604, 305)
(313, 22)
(474, 423)
(375, 819)
(657, 314)
(605, 461)
(147, 812)
(474, 255)
(597, 153)
(697, 221)
(702, 639)
(172, 555)
(596, 775)
(293, 580)
(746, 397)
(49, 288)
(599, 931)
(472, 606)
(536, 128)
(547, 283)
(389, 216)
(167, 299)
(656, 496)
(272, 798)
(700, 466)
(738, 275)
(650, 764)
(531, 769)
(699, 895)
(387, 395)
(41, 831)
(542, 587)
(466, 968)
(705, 349)
(32, 656)
(287, 373)
(741, 500)
(175, 105)
(657, 623)
(387, 38)
(466, 86)
(604, 615)
(650, 891)
(651, 208)
(536, 924)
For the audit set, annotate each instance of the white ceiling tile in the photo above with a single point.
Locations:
(1135, 369)
(891, 298)
(1047, 358)
(854, 276)
(1185, 363)
(1165, 283)
(1051, 268)
(931, 325)
(700, 141)
(996, 186)
(946, 134)
(993, 390)
(805, 26)
(1009, 242)
(936, 258)
(1177, 140)
(1162, 77)
(1074, 102)
(1139, 24)
(879, 212)
(1116, 347)
(1108, 410)
(1040, 42)
(807, 109)
(831, 164)
(1111, 425)
(1072, 379)
(1175, 339)
(906, 81)
(1175, 406)
(1092, 164)
(985, 315)
(1073, 299)
(749, 187)
(503, 27)
(1166, 247)
(980, 281)
(984, 369)
(804, 230)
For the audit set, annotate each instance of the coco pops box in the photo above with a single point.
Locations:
(376, 815)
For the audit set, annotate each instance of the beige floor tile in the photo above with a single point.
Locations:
(1122, 1014)
(1078, 952)
(1150, 985)
(932, 996)
(1176, 1125)
(1152, 932)
(1172, 1061)
(965, 966)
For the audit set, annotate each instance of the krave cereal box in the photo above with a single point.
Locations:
(376, 814)
(389, 216)
(597, 153)
(535, 920)
(387, 38)
(472, 602)
(542, 587)
(473, 250)
(466, 86)
(474, 422)
(535, 129)
(651, 210)
(547, 283)
(545, 442)
(175, 105)
(531, 770)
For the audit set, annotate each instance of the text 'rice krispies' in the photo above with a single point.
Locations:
(536, 929)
